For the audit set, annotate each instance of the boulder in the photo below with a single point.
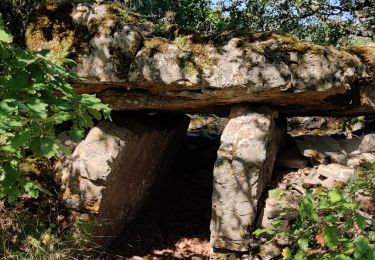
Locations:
(243, 167)
(323, 149)
(133, 63)
(114, 169)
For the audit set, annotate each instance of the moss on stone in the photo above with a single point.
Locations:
(155, 44)
(51, 29)
(122, 15)
(201, 53)
(184, 43)
(366, 54)
(35, 166)
(287, 41)
(189, 68)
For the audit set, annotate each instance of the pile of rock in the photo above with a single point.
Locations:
(313, 161)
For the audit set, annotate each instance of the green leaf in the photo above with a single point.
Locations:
(287, 254)
(60, 117)
(37, 107)
(335, 196)
(300, 255)
(31, 189)
(330, 218)
(348, 248)
(35, 145)
(48, 147)
(361, 221)
(96, 114)
(69, 62)
(76, 133)
(9, 187)
(66, 150)
(307, 209)
(342, 257)
(303, 244)
(363, 248)
(5, 37)
(259, 232)
(330, 237)
(21, 138)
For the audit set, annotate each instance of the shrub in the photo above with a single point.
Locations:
(35, 97)
(331, 224)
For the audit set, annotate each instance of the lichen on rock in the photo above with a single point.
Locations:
(177, 68)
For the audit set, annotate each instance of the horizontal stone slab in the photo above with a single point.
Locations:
(134, 64)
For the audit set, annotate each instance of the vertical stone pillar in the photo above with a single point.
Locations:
(243, 167)
(118, 166)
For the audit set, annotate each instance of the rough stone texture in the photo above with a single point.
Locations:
(244, 164)
(269, 250)
(367, 143)
(335, 171)
(323, 149)
(112, 172)
(125, 61)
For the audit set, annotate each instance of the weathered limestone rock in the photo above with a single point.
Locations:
(269, 250)
(335, 171)
(323, 149)
(112, 172)
(244, 164)
(134, 64)
(367, 143)
(350, 146)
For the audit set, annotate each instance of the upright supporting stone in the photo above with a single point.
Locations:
(244, 164)
(113, 171)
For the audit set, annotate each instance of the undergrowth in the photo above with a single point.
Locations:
(331, 224)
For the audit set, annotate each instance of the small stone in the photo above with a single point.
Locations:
(368, 157)
(368, 143)
(353, 162)
(311, 180)
(269, 251)
(298, 188)
(137, 258)
(65, 138)
(282, 240)
(328, 183)
(245, 257)
(336, 172)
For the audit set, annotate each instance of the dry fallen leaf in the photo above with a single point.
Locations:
(320, 239)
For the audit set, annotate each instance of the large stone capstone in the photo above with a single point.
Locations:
(135, 64)
(113, 171)
(244, 165)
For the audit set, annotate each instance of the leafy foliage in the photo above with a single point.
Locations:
(336, 22)
(45, 229)
(321, 21)
(35, 97)
(331, 224)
